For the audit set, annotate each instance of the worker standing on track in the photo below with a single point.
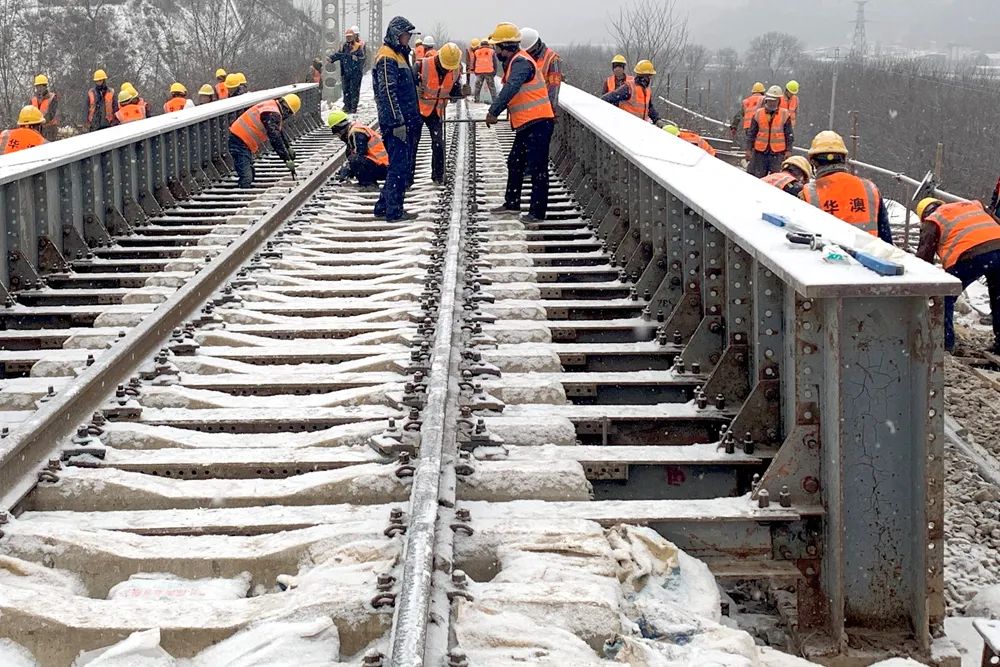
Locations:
(487, 66)
(790, 101)
(853, 199)
(316, 71)
(221, 91)
(101, 104)
(525, 96)
(438, 82)
(418, 50)
(399, 117)
(258, 125)
(26, 134)
(470, 61)
(618, 76)
(206, 94)
(178, 99)
(967, 239)
(636, 96)
(351, 56)
(547, 59)
(748, 107)
(48, 103)
(692, 138)
(771, 136)
(130, 106)
(367, 158)
(429, 51)
(795, 174)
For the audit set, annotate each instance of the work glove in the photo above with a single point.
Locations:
(661, 123)
(491, 120)
(291, 153)
(399, 132)
(291, 166)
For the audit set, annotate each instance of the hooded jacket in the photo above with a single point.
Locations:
(393, 82)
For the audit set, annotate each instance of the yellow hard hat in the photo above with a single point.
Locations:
(220, 72)
(792, 87)
(242, 78)
(293, 101)
(127, 95)
(232, 81)
(178, 88)
(644, 67)
(450, 56)
(774, 92)
(100, 75)
(926, 203)
(41, 80)
(800, 163)
(757, 88)
(419, 42)
(619, 60)
(827, 141)
(206, 90)
(475, 43)
(506, 33)
(670, 128)
(30, 115)
(337, 117)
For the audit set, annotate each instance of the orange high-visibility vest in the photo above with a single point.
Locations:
(221, 92)
(174, 104)
(531, 101)
(638, 103)
(611, 84)
(109, 105)
(250, 127)
(484, 60)
(780, 179)
(792, 105)
(846, 196)
(131, 112)
(376, 148)
(434, 87)
(552, 76)
(43, 106)
(419, 52)
(18, 139)
(771, 131)
(962, 226)
(697, 140)
(750, 106)
(470, 59)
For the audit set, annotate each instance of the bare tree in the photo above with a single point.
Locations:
(440, 32)
(774, 52)
(694, 58)
(728, 58)
(652, 30)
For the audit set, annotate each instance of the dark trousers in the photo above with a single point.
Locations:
(763, 164)
(390, 203)
(488, 80)
(969, 271)
(352, 92)
(413, 130)
(436, 130)
(530, 156)
(242, 161)
(367, 172)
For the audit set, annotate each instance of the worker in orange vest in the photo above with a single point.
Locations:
(26, 134)
(437, 83)
(748, 107)
(101, 104)
(771, 136)
(178, 99)
(618, 76)
(795, 174)
(790, 100)
(316, 71)
(636, 94)
(221, 92)
(130, 106)
(367, 157)
(487, 66)
(967, 239)
(547, 60)
(206, 94)
(470, 61)
(48, 103)
(428, 50)
(352, 57)
(525, 96)
(853, 199)
(692, 138)
(258, 125)
(419, 50)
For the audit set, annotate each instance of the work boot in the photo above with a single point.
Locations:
(528, 218)
(403, 218)
(503, 210)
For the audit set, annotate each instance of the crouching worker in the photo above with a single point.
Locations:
(258, 125)
(367, 158)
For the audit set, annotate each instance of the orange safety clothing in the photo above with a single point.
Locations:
(962, 226)
(531, 101)
(551, 74)
(780, 179)
(174, 104)
(484, 61)
(771, 131)
(638, 102)
(250, 127)
(434, 88)
(792, 105)
(43, 106)
(750, 106)
(93, 109)
(611, 84)
(377, 152)
(697, 140)
(221, 92)
(18, 139)
(853, 199)
(131, 112)
(419, 52)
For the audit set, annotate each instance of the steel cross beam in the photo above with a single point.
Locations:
(333, 36)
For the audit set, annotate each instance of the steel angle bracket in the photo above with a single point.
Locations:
(760, 415)
(134, 213)
(50, 260)
(731, 376)
(94, 231)
(115, 222)
(797, 467)
(706, 344)
(22, 274)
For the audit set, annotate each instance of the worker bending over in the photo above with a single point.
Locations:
(26, 134)
(692, 138)
(258, 125)
(967, 239)
(437, 83)
(618, 76)
(525, 96)
(367, 159)
(795, 174)
(636, 96)
(48, 103)
(771, 136)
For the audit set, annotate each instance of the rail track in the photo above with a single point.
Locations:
(428, 436)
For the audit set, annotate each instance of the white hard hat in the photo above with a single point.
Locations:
(529, 37)
(429, 40)
(356, 30)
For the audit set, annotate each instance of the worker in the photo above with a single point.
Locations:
(101, 104)
(748, 107)
(429, 50)
(470, 60)
(244, 85)
(394, 84)
(206, 94)
(795, 174)
(351, 56)
(258, 125)
(635, 95)
(48, 103)
(618, 76)
(221, 91)
(26, 134)
(547, 60)
(178, 99)
(130, 106)
(790, 100)
(691, 137)
(315, 74)
(437, 82)
(526, 99)
(418, 50)
(147, 110)
(487, 66)
(967, 240)
(771, 137)
(232, 85)
(367, 158)
(840, 193)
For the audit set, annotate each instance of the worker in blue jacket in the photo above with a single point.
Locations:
(398, 115)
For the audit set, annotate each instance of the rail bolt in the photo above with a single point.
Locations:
(748, 443)
(385, 582)
(729, 442)
(695, 367)
(764, 498)
(720, 402)
(457, 658)
(784, 497)
(373, 659)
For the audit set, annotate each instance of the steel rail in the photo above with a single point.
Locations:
(39, 438)
(409, 637)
